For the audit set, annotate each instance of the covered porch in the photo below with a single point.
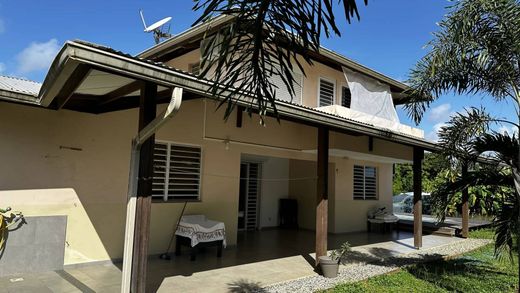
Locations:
(259, 259)
(129, 82)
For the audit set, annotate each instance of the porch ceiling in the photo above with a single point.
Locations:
(95, 79)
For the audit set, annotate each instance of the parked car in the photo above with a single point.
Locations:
(403, 203)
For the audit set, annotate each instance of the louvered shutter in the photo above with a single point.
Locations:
(370, 182)
(176, 171)
(282, 92)
(160, 166)
(359, 182)
(365, 182)
(326, 93)
(346, 97)
(195, 68)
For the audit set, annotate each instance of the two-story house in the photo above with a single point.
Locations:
(65, 147)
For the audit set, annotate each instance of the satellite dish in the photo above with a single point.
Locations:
(157, 24)
(159, 32)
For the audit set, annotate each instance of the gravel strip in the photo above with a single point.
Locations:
(365, 265)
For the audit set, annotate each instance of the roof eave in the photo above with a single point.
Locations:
(18, 97)
(74, 54)
(188, 34)
(193, 32)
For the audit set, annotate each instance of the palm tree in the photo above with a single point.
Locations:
(264, 39)
(477, 50)
(465, 141)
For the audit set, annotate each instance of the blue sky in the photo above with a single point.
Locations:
(390, 38)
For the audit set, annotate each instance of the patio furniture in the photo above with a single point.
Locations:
(383, 220)
(196, 231)
(381, 225)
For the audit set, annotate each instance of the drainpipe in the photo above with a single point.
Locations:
(137, 141)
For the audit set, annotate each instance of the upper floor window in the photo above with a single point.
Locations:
(283, 93)
(365, 182)
(176, 172)
(210, 47)
(346, 97)
(195, 68)
(326, 93)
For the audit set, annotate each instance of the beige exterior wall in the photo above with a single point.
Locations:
(303, 188)
(76, 164)
(310, 81)
(350, 215)
(345, 214)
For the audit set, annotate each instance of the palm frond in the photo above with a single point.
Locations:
(481, 175)
(457, 136)
(503, 147)
(506, 227)
(266, 38)
(476, 50)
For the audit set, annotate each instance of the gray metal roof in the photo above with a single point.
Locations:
(18, 89)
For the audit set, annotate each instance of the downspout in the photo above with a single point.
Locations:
(137, 141)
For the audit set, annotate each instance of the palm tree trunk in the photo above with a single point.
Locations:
(517, 184)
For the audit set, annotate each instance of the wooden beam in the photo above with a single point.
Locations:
(147, 112)
(465, 205)
(370, 143)
(121, 92)
(418, 154)
(322, 193)
(71, 85)
(130, 102)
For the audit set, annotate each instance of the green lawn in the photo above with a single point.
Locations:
(477, 271)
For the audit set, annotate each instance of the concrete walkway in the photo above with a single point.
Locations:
(257, 275)
(364, 264)
(265, 258)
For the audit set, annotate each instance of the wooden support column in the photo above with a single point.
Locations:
(322, 193)
(418, 154)
(147, 112)
(465, 205)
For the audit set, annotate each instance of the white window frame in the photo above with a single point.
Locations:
(171, 198)
(333, 81)
(364, 182)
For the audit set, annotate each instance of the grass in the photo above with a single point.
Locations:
(476, 271)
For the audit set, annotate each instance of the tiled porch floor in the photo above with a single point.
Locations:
(262, 258)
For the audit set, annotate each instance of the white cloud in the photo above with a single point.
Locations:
(440, 113)
(507, 129)
(37, 56)
(434, 134)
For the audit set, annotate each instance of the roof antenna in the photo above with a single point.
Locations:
(158, 28)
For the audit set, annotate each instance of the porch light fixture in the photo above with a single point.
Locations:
(226, 144)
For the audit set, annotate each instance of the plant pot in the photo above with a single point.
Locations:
(329, 267)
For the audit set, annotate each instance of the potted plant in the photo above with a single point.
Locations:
(330, 264)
